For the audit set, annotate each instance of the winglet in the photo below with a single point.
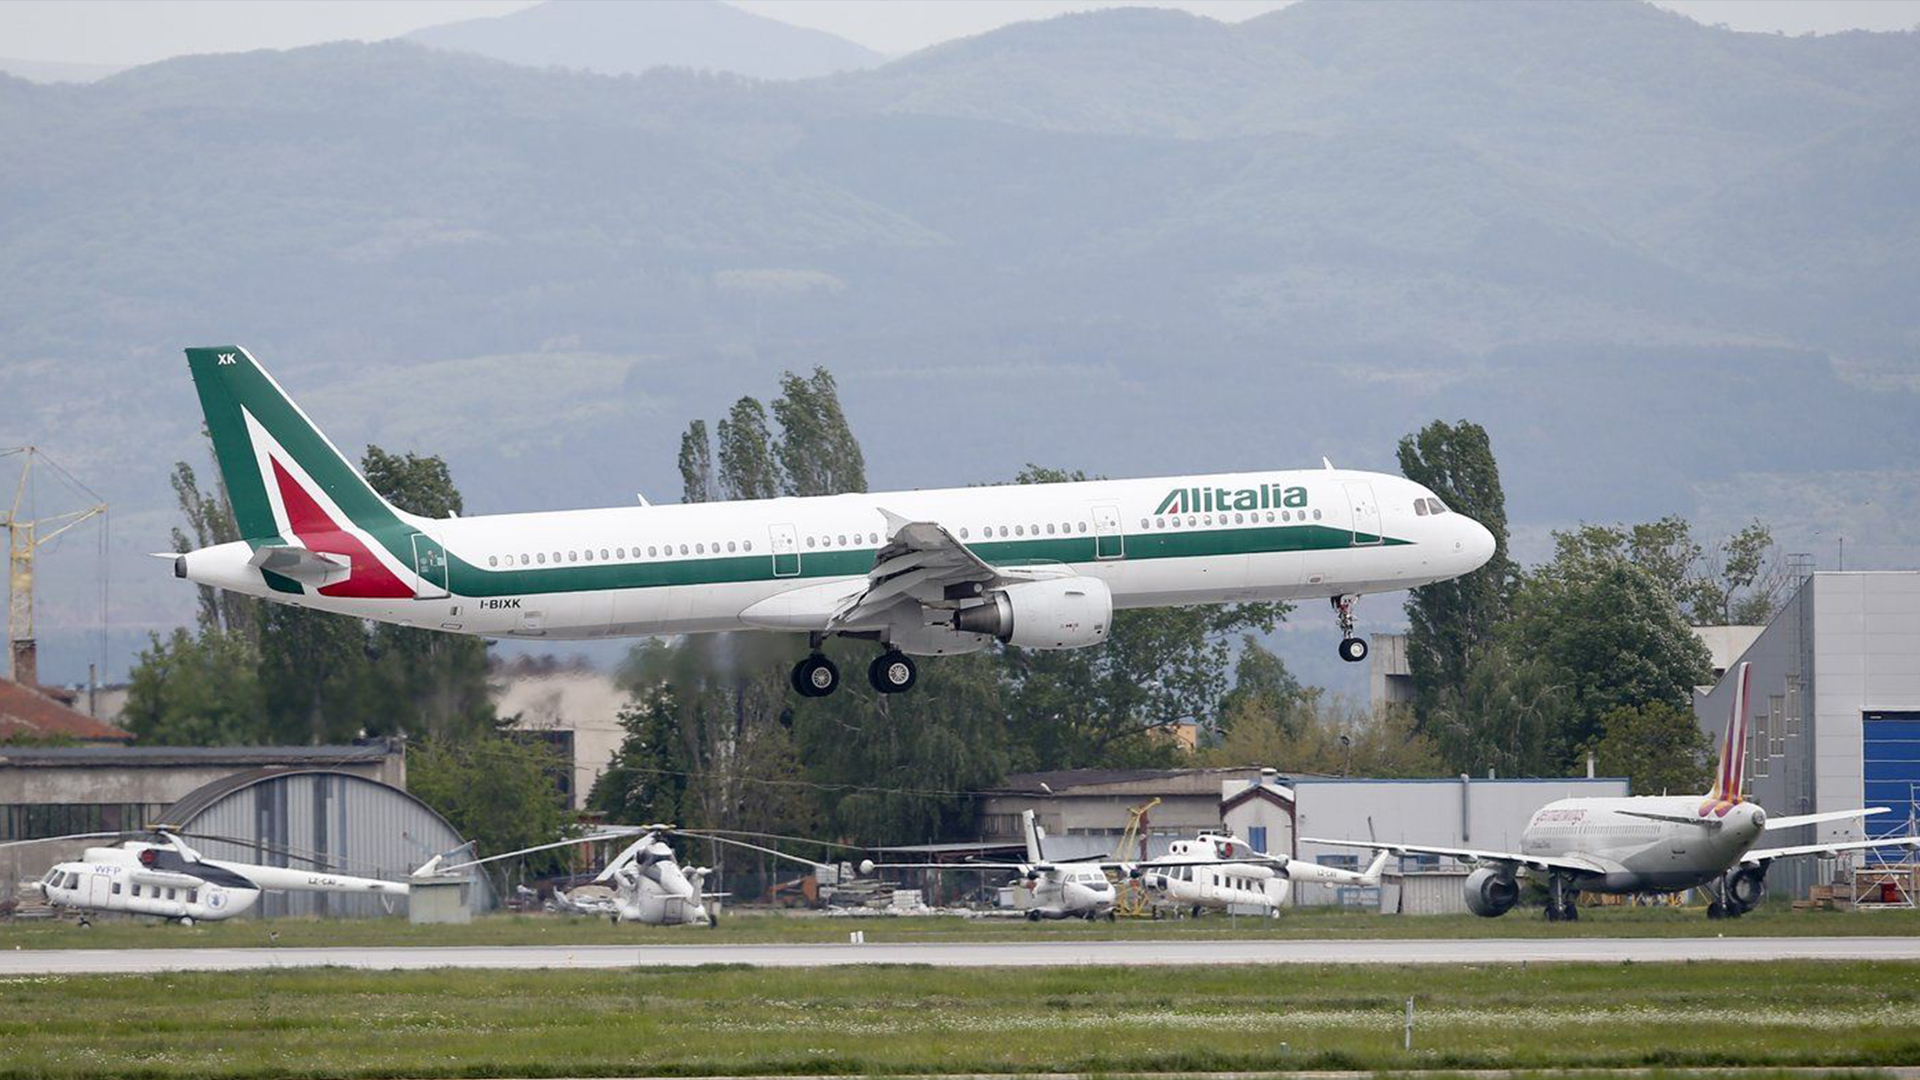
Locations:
(1328, 465)
(894, 521)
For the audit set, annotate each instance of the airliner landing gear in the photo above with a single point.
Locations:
(892, 672)
(815, 676)
(1352, 649)
(1560, 904)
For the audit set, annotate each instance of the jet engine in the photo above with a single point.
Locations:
(1058, 613)
(1748, 887)
(1491, 893)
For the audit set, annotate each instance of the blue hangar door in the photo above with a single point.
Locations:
(1890, 765)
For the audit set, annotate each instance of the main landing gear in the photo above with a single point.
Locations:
(1352, 649)
(892, 672)
(1560, 903)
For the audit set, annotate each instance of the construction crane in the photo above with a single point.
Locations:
(25, 536)
(1132, 900)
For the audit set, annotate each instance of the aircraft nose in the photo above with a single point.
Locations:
(1476, 546)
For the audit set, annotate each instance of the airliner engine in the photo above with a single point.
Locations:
(1491, 893)
(1058, 613)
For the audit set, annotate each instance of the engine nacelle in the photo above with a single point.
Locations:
(1491, 893)
(1748, 887)
(934, 638)
(1058, 613)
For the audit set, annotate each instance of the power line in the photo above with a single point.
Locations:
(813, 785)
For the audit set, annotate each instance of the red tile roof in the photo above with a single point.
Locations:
(27, 713)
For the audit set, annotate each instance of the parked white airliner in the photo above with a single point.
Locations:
(923, 573)
(1648, 843)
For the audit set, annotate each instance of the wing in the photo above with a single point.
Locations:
(1569, 864)
(1797, 820)
(867, 867)
(922, 562)
(1707, 824)
(1766, 855)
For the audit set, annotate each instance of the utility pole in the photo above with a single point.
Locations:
(25, 536)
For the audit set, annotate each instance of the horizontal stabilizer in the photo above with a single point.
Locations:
(313, 568)
(1797, 820)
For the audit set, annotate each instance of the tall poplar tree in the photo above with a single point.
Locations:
(1453, 620)
(748, 468)
(817, 451)
(696, 464)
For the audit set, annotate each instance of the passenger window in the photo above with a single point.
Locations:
(603, 554)
(699, 549)
(1066, 528)
(843, 540)
(963, 532)
(1316, 515)
(1003, 530)
(747, 544)
(193, 896)
(556, 557)
(589, 554)
(620, 553)
(493, 560)
(524, 560)
(1145, 524)
(1239, 519)
(1050, 528)
(730, 546)
(653, 552)
(1208, 519)
(543, 558)
(811, 542)
(1036, 530)
(683, 549)
(1019, 530)
(116, 888)
(1083, 526)
(1269, 517)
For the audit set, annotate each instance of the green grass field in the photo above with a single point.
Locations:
(734, 1021)
(1774, 920)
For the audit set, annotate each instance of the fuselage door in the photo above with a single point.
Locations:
(1108, 543)
(430, 562)
(786, 550)
(1366, 512)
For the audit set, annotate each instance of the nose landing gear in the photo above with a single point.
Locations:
(1352, 649)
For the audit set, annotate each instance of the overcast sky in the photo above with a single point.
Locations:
(140, 31)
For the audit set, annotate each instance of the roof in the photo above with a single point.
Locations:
(162, 756)
(1122, 781)
(25, 712)
(1273, 793)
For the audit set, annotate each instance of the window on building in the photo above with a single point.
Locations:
(1257, 838)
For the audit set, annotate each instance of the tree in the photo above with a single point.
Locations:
(1658, 748)
(1449, 621)
(646, 781)
(696, 464)
(817, 451)
(1306, 736)
(196, 690)
(496, 791)
(1735, 580)
(210, 521)
(748, 468)
(1507, 717)
(1261, 685)
(1606, 634)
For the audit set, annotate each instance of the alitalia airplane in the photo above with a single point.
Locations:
(1648, 843)
(920, 573)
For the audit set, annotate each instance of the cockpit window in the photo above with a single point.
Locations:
(1429, 506)
(1420, 507)
(1438, 506)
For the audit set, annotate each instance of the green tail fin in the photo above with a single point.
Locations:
(257, 429)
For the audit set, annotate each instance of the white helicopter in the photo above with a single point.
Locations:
(648, 883)
(160, 875)
(1067, 889)
(1220, 871)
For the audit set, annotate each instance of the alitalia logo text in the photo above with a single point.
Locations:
(1205, 500)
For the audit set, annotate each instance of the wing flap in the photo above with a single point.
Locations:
(1572, 864)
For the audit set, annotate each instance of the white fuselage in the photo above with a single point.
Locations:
(1070, 892)
(1198, 883)
(1639, 854)
(116, 879)
(790, 563)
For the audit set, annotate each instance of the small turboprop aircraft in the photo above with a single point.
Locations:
(649, 884)
(1648, 843)
(1067, 889)
(161, 875)
(1221, 871)
(918, 573)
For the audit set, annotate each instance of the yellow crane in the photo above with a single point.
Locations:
(1131, 898)
(25, 536)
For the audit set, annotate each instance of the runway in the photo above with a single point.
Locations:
(977, 954)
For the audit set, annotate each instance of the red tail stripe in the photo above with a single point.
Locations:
(369, 579)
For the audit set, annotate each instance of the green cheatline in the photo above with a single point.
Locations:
(470, 580)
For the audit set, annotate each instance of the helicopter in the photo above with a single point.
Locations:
(649, 885)
(156, 872)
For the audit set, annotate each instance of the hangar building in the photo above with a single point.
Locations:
(1835, 694)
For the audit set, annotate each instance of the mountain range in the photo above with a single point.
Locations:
(1671, 267)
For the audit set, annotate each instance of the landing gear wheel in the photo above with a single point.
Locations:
(1196, 911)
(1716, 910)
(892, 673)
(186, 920)
(1553, 911)
(1091, 915)
(713, 920)
(1111, 915)
(1352, 649)
(85, 922)
(1570, 913)
(815, 676)
(1033, 916)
